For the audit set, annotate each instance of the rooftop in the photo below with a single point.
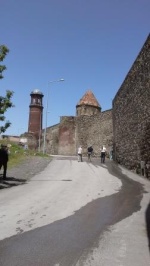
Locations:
(36, 91)
(89, 99)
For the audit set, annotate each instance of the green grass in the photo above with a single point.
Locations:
(17, 154)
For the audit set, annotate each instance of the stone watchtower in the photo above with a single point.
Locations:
(35, 114)
(88, 105)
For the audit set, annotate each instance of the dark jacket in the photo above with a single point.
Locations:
(90, 149)
(3, 155)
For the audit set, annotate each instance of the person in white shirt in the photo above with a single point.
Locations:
(80, 154)
(103, 154)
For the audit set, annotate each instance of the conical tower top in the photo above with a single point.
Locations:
(88, 105)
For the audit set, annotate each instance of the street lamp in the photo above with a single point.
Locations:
(44, 143)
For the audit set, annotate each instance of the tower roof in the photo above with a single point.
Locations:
(36, 91)
(89, 99)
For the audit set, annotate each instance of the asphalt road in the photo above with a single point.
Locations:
(76, 214)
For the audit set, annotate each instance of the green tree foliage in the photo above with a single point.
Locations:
(5, 102)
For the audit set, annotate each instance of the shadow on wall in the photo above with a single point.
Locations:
(147, 218)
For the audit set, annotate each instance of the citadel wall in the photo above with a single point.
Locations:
(131, 113)
(52, 139)
(67, 138)
(96, 130)
(72, 131)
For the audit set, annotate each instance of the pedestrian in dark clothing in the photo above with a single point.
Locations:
(3, 159)
(89, 150)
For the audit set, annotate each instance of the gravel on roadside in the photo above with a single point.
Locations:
(30, 166)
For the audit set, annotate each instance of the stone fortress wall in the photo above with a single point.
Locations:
(65, 138)
(95, 130)
(52, 139)
(131, 113)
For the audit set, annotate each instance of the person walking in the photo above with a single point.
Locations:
(4, 159)
(89, 150)
(80, 154)
(103, 154)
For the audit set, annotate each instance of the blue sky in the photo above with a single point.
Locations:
(92, 44)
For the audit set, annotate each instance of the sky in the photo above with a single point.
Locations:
(91, 44)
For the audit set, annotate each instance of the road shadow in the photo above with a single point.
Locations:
(11, 182)
(63, 241)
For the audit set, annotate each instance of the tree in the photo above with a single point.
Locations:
(5, 102)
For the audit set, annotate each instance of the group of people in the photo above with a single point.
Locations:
(90, 152)
(3, 159)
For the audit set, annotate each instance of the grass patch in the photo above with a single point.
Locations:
(17, 154)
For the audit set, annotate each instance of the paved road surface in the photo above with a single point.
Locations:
(83, 214)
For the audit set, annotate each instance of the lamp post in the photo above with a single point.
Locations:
(44, 142)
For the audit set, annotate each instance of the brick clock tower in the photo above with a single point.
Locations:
(35, 114)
